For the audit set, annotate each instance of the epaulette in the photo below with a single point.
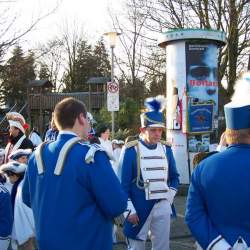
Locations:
(93, 148)
(131, 144)
(166, 143)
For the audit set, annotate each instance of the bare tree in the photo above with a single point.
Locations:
(50, 60)
(230, 16)
(131, 59)
(9, 33)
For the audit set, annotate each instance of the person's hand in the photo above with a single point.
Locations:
(133, 218)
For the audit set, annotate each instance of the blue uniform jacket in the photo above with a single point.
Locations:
(142, 206)
(75, 209)
(219, 197)
(6, 215)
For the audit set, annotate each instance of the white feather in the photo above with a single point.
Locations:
(241, 94)
(162, 100)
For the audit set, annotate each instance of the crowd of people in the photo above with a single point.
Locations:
(66, 190)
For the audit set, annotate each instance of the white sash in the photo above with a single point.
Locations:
(15, 147)
(61, 157)
(154, 169)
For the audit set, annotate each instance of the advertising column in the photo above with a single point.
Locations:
(192, 92)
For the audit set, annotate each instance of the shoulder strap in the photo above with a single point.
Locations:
(63, 154)
(38, 157)
(61, 158)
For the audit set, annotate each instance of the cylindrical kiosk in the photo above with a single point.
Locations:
(192, 92)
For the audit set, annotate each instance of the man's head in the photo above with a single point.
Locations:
(70, 114)
(237, 113)
(17, 124)
(151, 135)
(152, 121)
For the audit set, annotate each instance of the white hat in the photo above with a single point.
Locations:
(18, 153)
(115, 141)
(120, 142)
(13, 166)
(17, 120)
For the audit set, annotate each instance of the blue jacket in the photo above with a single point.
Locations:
(142, 206)
(75, 209)
(6, 215)
(219, 197)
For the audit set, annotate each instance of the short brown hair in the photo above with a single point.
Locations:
(66, 112)
(237, 136)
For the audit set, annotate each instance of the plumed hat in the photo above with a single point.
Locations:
(14, 167)
(237, 112)
(17, 120)
(19, 153)
(153, 117)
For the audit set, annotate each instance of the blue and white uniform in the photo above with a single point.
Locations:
(6, 218)
(151, 195)
(73, 207)
(219, 199)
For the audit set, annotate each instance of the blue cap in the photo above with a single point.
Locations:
(154, 116)
(237, 116)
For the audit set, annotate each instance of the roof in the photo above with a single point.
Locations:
(98, 80)
(40, 83)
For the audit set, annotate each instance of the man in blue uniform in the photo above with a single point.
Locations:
(6, 218)
(73, 202)
(219, 195)
(150, 179)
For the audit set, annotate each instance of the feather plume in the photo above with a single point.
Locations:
(241, 94)
(157, 103)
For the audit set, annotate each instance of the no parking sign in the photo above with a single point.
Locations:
(112, 96)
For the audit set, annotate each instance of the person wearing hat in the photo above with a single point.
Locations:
(150, 179)
(23, 224)
(17, 137)
(73, 199)
(20, 155)
(217, 210)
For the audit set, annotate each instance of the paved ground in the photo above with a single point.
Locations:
(181, 238)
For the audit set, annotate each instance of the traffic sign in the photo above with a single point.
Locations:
(112, 96)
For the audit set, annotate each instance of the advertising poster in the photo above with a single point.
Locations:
(201, 73)
(200, 119)
(198, 143)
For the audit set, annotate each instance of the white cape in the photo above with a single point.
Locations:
(23, 226)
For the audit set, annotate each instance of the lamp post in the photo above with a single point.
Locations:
(112, 37)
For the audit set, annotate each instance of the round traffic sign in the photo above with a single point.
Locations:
(113, 87)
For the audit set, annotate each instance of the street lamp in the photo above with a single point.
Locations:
(112, 37)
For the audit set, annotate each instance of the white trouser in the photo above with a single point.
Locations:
(4, 244)
(158, 222)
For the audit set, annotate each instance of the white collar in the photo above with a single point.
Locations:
(66, 132)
